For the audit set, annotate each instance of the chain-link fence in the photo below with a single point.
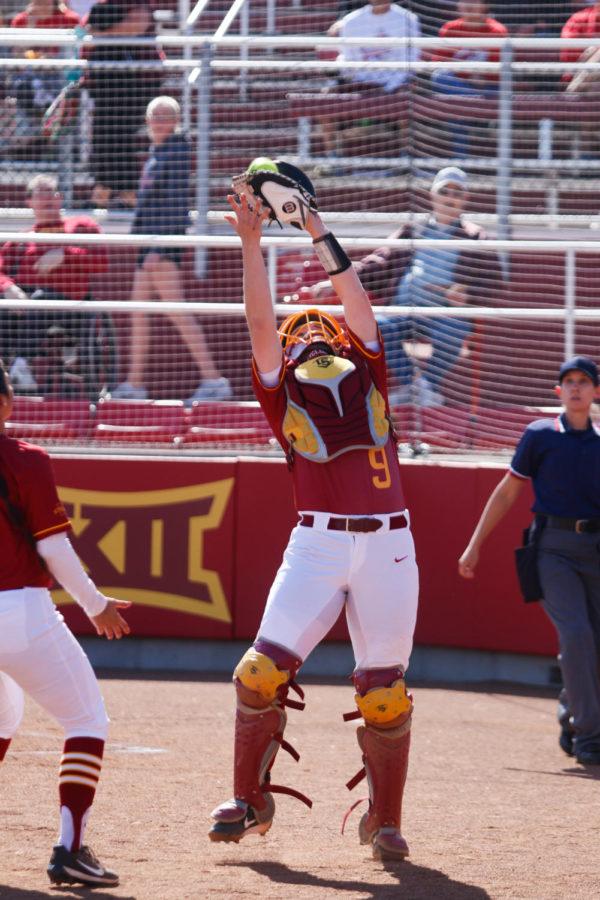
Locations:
(415, 145)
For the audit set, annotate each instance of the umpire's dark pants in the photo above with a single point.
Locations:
(570, 576)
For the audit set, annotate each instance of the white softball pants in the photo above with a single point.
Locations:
(373, 575)
(39, 655)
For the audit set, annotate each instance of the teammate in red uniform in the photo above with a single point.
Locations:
(38, 653)
(323, 389)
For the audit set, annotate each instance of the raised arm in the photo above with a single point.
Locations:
(247, 222)
(500, 501)
(358, 312)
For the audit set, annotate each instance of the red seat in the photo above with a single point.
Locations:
(139, 421)
(232, 424)
(39, 418)
(439, 426)
(496, 428)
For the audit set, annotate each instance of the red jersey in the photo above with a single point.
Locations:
(72, 277)
(29, 479)
(458, 28)
(64, 18)
(585, 23)
(356, 483)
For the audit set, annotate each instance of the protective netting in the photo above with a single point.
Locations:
(422, 140)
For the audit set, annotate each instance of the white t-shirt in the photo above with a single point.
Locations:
(396, 22)
(81, 7)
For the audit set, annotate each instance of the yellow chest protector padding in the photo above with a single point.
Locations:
(260, 674)
(384, 704)
(328, 374)
(326, 371)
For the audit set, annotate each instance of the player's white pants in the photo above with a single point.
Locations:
(39, 655)
(374, 575)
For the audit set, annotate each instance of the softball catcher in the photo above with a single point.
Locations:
(323, 389)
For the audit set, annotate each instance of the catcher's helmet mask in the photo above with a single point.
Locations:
(288, 193)
(314, 331)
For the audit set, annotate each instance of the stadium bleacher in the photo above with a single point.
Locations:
(275, 112)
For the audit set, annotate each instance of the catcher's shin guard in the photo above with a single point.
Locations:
(385, 742)
(262, 679)
(385, 755)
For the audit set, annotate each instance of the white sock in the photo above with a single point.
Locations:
(67, 831)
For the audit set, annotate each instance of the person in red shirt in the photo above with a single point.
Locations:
(584, 24)
(45, 14)
(38, 653)
(473, 22)
(29, 269)
(323, 390)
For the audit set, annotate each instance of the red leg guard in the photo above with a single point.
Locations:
(258, 736)
(262, 682)
(385, 755)
(4, 745)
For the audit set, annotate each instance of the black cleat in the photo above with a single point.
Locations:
(78, 867)
(565, 740)
(235, 819)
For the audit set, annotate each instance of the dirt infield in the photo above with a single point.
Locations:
(492, 807)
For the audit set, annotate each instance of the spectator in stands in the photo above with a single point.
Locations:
(585, 24)
(81, 7)
(429, 277)
(473, 22)
(32, 270)
(163, 208)
(46, 14)
(379, 18)
(120, 99)
(432, 13)
(34, 88)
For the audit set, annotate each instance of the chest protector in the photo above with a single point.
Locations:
(332, 407)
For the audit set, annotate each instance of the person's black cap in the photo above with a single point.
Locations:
(580, 364)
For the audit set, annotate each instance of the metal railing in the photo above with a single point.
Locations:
(570, 313)
(199, 65)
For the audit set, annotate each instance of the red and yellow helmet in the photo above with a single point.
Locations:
(311, 326)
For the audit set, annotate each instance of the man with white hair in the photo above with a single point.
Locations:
(163, 208)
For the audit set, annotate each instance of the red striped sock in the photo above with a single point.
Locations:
(4, 745)
(79, 772)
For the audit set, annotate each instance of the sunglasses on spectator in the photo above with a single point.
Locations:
(43, 192)
(451, 191)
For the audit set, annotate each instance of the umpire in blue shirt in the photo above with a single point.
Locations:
(562, 459)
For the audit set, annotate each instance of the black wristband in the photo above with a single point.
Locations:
(332, 255)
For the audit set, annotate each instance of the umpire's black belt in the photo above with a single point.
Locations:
(581, 526)
(362, 524)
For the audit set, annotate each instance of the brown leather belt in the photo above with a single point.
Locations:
(581, 526)
(363, 524)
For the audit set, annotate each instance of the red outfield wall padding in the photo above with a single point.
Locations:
(196, 543)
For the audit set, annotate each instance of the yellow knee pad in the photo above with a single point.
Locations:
(258, 673)
(383, 705)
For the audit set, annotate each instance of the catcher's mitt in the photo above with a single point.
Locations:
(285, 189)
